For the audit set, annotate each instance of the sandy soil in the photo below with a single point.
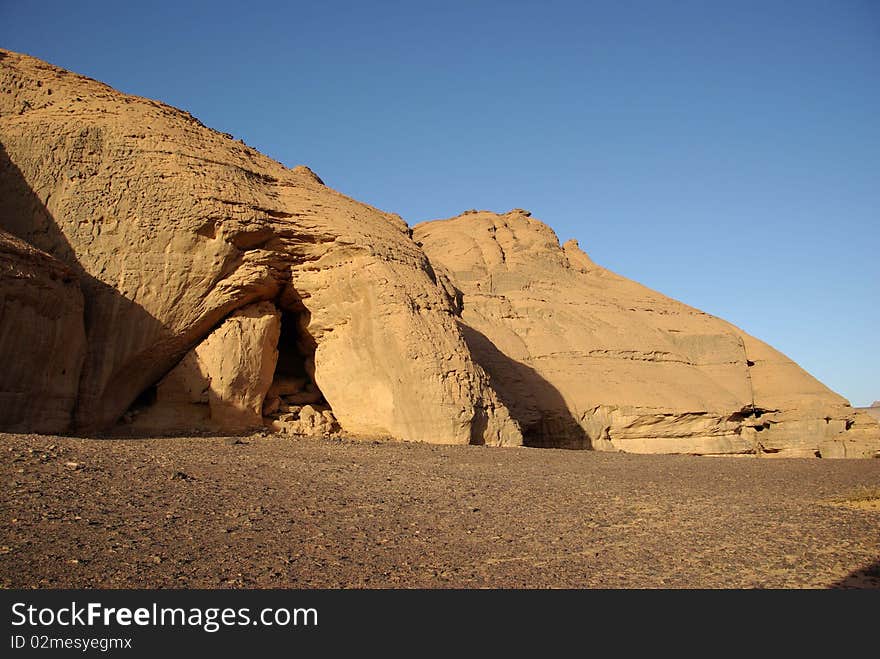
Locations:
(261, 512)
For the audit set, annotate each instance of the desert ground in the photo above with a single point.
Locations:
(276, 512)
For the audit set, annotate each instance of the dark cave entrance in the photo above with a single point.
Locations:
(294, 349)
(294, 403)
(144, 401)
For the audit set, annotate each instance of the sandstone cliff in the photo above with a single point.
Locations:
(587, 359)
(171, 227)
(42, 340)
(159, 276)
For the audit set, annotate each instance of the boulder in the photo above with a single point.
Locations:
(239, 359)
(221, 384)
(308, 420)
(584, 358)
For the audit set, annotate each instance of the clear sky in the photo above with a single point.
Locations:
(724, 153)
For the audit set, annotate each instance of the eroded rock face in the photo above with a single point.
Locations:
(152, 252)
(584, 358)
(240, 358)
(221, 384)
(171, 227)
(872, 411)
(42, 340)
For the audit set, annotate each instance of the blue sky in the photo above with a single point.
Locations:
(724, 153)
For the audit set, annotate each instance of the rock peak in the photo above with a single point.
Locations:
(306, 172)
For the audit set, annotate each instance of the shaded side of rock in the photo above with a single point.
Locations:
(42, 339)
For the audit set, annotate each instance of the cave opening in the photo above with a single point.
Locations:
(293, 350)
(294, 404)
(144, 400)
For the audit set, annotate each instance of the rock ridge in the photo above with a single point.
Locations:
(585, 358)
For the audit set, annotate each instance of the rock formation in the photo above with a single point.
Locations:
(42, 340)
(171, 227)
(162, 277)
(873, 411)
(584, 358)
(222, 382)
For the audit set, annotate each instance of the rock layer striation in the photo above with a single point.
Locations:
(585, 358)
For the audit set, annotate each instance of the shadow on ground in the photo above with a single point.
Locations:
(867, 577)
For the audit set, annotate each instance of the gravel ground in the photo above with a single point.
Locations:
(270, 512)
